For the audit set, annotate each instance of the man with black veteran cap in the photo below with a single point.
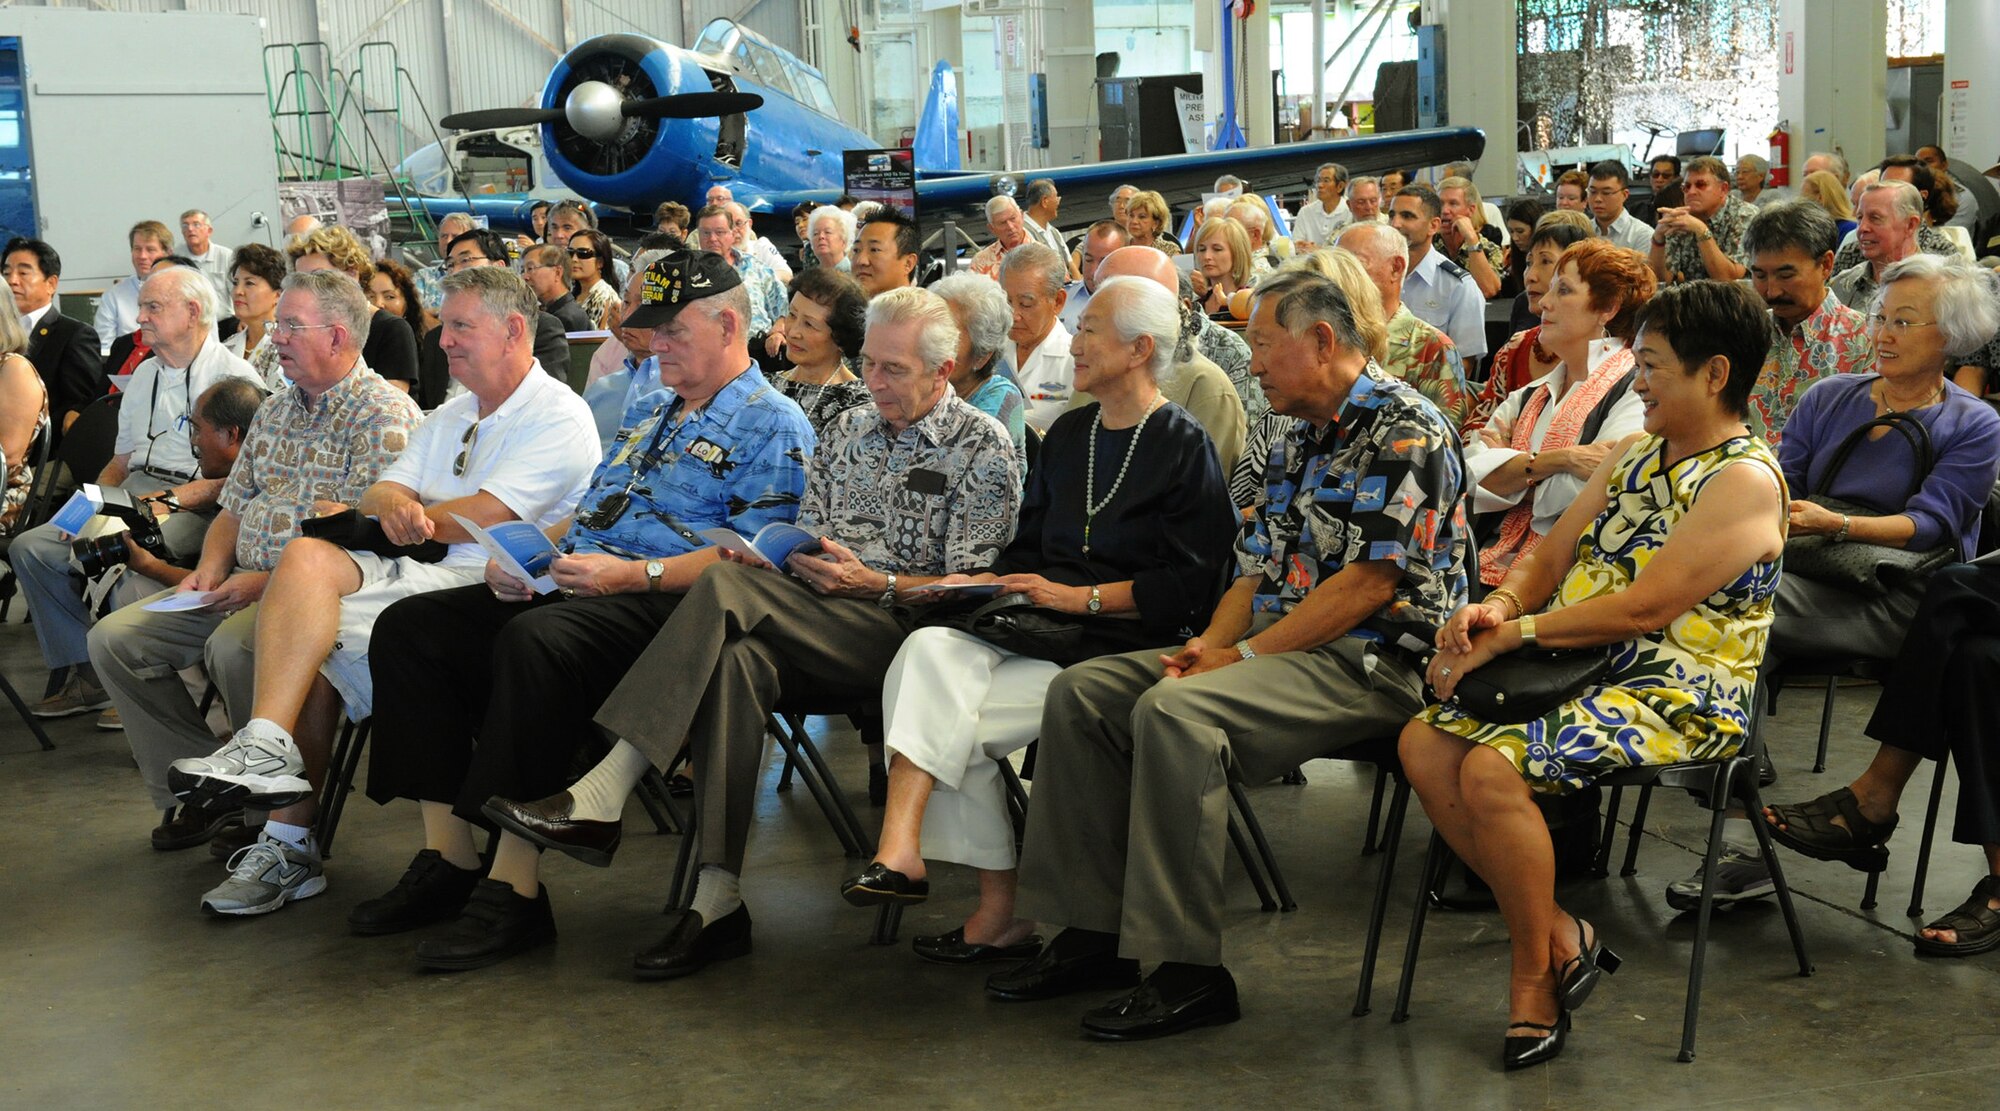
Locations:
(915, 487)
(485, 689)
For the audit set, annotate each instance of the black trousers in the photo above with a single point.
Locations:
(475, 697)
(1939, 697)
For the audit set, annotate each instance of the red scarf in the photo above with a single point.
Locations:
(1517, 535)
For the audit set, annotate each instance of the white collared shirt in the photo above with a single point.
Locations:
(1074, 306)
(1554, 493)
(1627, 231)
(1314, 224)
(31, 319)
(535, 453)
(152, 421)
(117, 312)
(1048, 377)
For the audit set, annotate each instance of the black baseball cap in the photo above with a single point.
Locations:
(676, 279)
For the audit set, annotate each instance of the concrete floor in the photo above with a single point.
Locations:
(116, 991)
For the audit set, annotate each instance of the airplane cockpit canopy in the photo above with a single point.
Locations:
(736, 48)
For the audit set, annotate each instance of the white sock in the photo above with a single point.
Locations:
(265, 727)
(716, 894)
(600, 795)
(298, 837)
(1738, 834)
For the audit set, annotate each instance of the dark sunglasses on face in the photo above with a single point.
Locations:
(583, 253)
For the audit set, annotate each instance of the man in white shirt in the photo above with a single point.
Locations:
(211, 257)
(1039, 204)
(1436, 289)
(153, 454)
(1032, 276)
(1104, 237)
(517, 446)
(1610, 187)
(1319, 220)
(1364, 201)
(118, 309)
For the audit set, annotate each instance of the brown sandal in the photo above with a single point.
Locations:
(1976, 924)
(1808, 827)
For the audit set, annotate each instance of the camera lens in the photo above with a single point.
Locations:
(100, 554)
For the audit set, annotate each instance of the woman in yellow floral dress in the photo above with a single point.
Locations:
(1669, 556)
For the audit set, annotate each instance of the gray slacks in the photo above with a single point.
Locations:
(714, 673)
(138, 654)
(1128, 830)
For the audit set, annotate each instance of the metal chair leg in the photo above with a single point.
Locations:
(659, 806)
(888, 919)
(1378, 913)
(1437, 858)
(1371, 843)
(1754, 802)
(1719, 810)
(21, 708)
(346, 757)
(860, 844)
(1249, 858)
(799, 748)
(1930, 830)
(1264, 853)
(1631, 865)
(680, 892)
(1825, 723)
(1607, 837)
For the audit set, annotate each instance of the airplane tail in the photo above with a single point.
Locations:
(936, 143)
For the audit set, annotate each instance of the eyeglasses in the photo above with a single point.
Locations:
(293, 327)
(582, 253)
(465, 445)
(1883, 324)
(459, 262)
(1607, 193)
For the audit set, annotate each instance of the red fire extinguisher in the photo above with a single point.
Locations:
(1781, 156)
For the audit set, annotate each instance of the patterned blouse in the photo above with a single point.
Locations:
(941, 496)
(1513, 367)
(19, 474)
(1833, 340)
(1424, 357)
(1684, 254)
(300, 451)
(1382, 481)
(599, 303)
(823, 401)
(1226, 349)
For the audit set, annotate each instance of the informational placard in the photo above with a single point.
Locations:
(885, 176)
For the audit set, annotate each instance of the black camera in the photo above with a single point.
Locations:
(99, 555)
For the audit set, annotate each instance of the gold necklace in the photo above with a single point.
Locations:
(1889, 409)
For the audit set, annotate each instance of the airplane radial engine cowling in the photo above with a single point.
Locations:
(629, 161)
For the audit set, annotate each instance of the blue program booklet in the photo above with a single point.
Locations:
(87, 502)
(519, 548)
(774, 543)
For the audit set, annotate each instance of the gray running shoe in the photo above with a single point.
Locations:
(1738, 876)
(255, 766)
(265, 876)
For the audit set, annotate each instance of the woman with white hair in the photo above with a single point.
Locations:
(1124, 541)
(984, 319)
(829, 232)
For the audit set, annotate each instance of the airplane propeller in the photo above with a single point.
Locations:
(598, 110)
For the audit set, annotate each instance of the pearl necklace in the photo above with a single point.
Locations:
(1091, 506)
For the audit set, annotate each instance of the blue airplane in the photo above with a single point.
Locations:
(629, 121)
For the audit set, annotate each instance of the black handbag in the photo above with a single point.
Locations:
(1010, 622)
(1870, 569)
(1528, 683)
(357, 533)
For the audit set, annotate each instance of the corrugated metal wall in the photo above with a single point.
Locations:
(458, 54)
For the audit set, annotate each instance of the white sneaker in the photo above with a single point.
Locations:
(264, 876)
(259, 765)
(1738, 876)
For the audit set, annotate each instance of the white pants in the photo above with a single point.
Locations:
(952, 705)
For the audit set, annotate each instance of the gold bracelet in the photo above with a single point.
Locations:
(1527, 624)
(1498, 592)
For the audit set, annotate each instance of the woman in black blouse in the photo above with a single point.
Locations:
(822, 337)
(1126, 533)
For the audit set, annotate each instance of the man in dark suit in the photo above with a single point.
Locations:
(64, 351)
(483, 247)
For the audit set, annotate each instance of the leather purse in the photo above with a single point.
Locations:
(1010, 622)
(1869, 569)
(1527, 683)
(357, 533)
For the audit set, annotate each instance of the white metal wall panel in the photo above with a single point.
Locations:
(657, 18)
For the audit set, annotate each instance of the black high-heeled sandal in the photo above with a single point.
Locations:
(1578, 975)
(1526, 1051)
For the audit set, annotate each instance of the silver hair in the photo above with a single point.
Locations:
(937, 329)
(1339, 171)
(996, 206)
(1227, 182)
(1121, 189)
(734, 300)
(501, 293)
(1143, 307)
(1967, 298)
(1038, 259)
(1385, 238)
(1909, 202)
(835, 213)
(339, 298)
(1756, 162)
(457, 220)
(983, 310)
(1365, 179)
(197, 290)
(1838, 159)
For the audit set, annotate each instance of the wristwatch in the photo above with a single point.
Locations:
(1096, 603)
(888, 597)
(1243, 649)
(654, 569)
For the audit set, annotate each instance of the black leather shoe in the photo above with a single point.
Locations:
(680, 787)
(1148, 1012)
(189, 825)
(1055, 972)
(496, 924)
(689, 945)
(882, 884)
(1539, 1044)
(952, 948)
(547, 822)
(431, 890)
(1579, 974)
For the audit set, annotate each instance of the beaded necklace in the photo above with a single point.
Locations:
(1091, 506)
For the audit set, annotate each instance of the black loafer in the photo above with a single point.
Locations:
(431, 890)
(952, 948)
(1055, 973)
(689, 945)
(1149, 1013)
(189, 825)
(881, 884)
(496, 924)
(548, 823)
(680, 787)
